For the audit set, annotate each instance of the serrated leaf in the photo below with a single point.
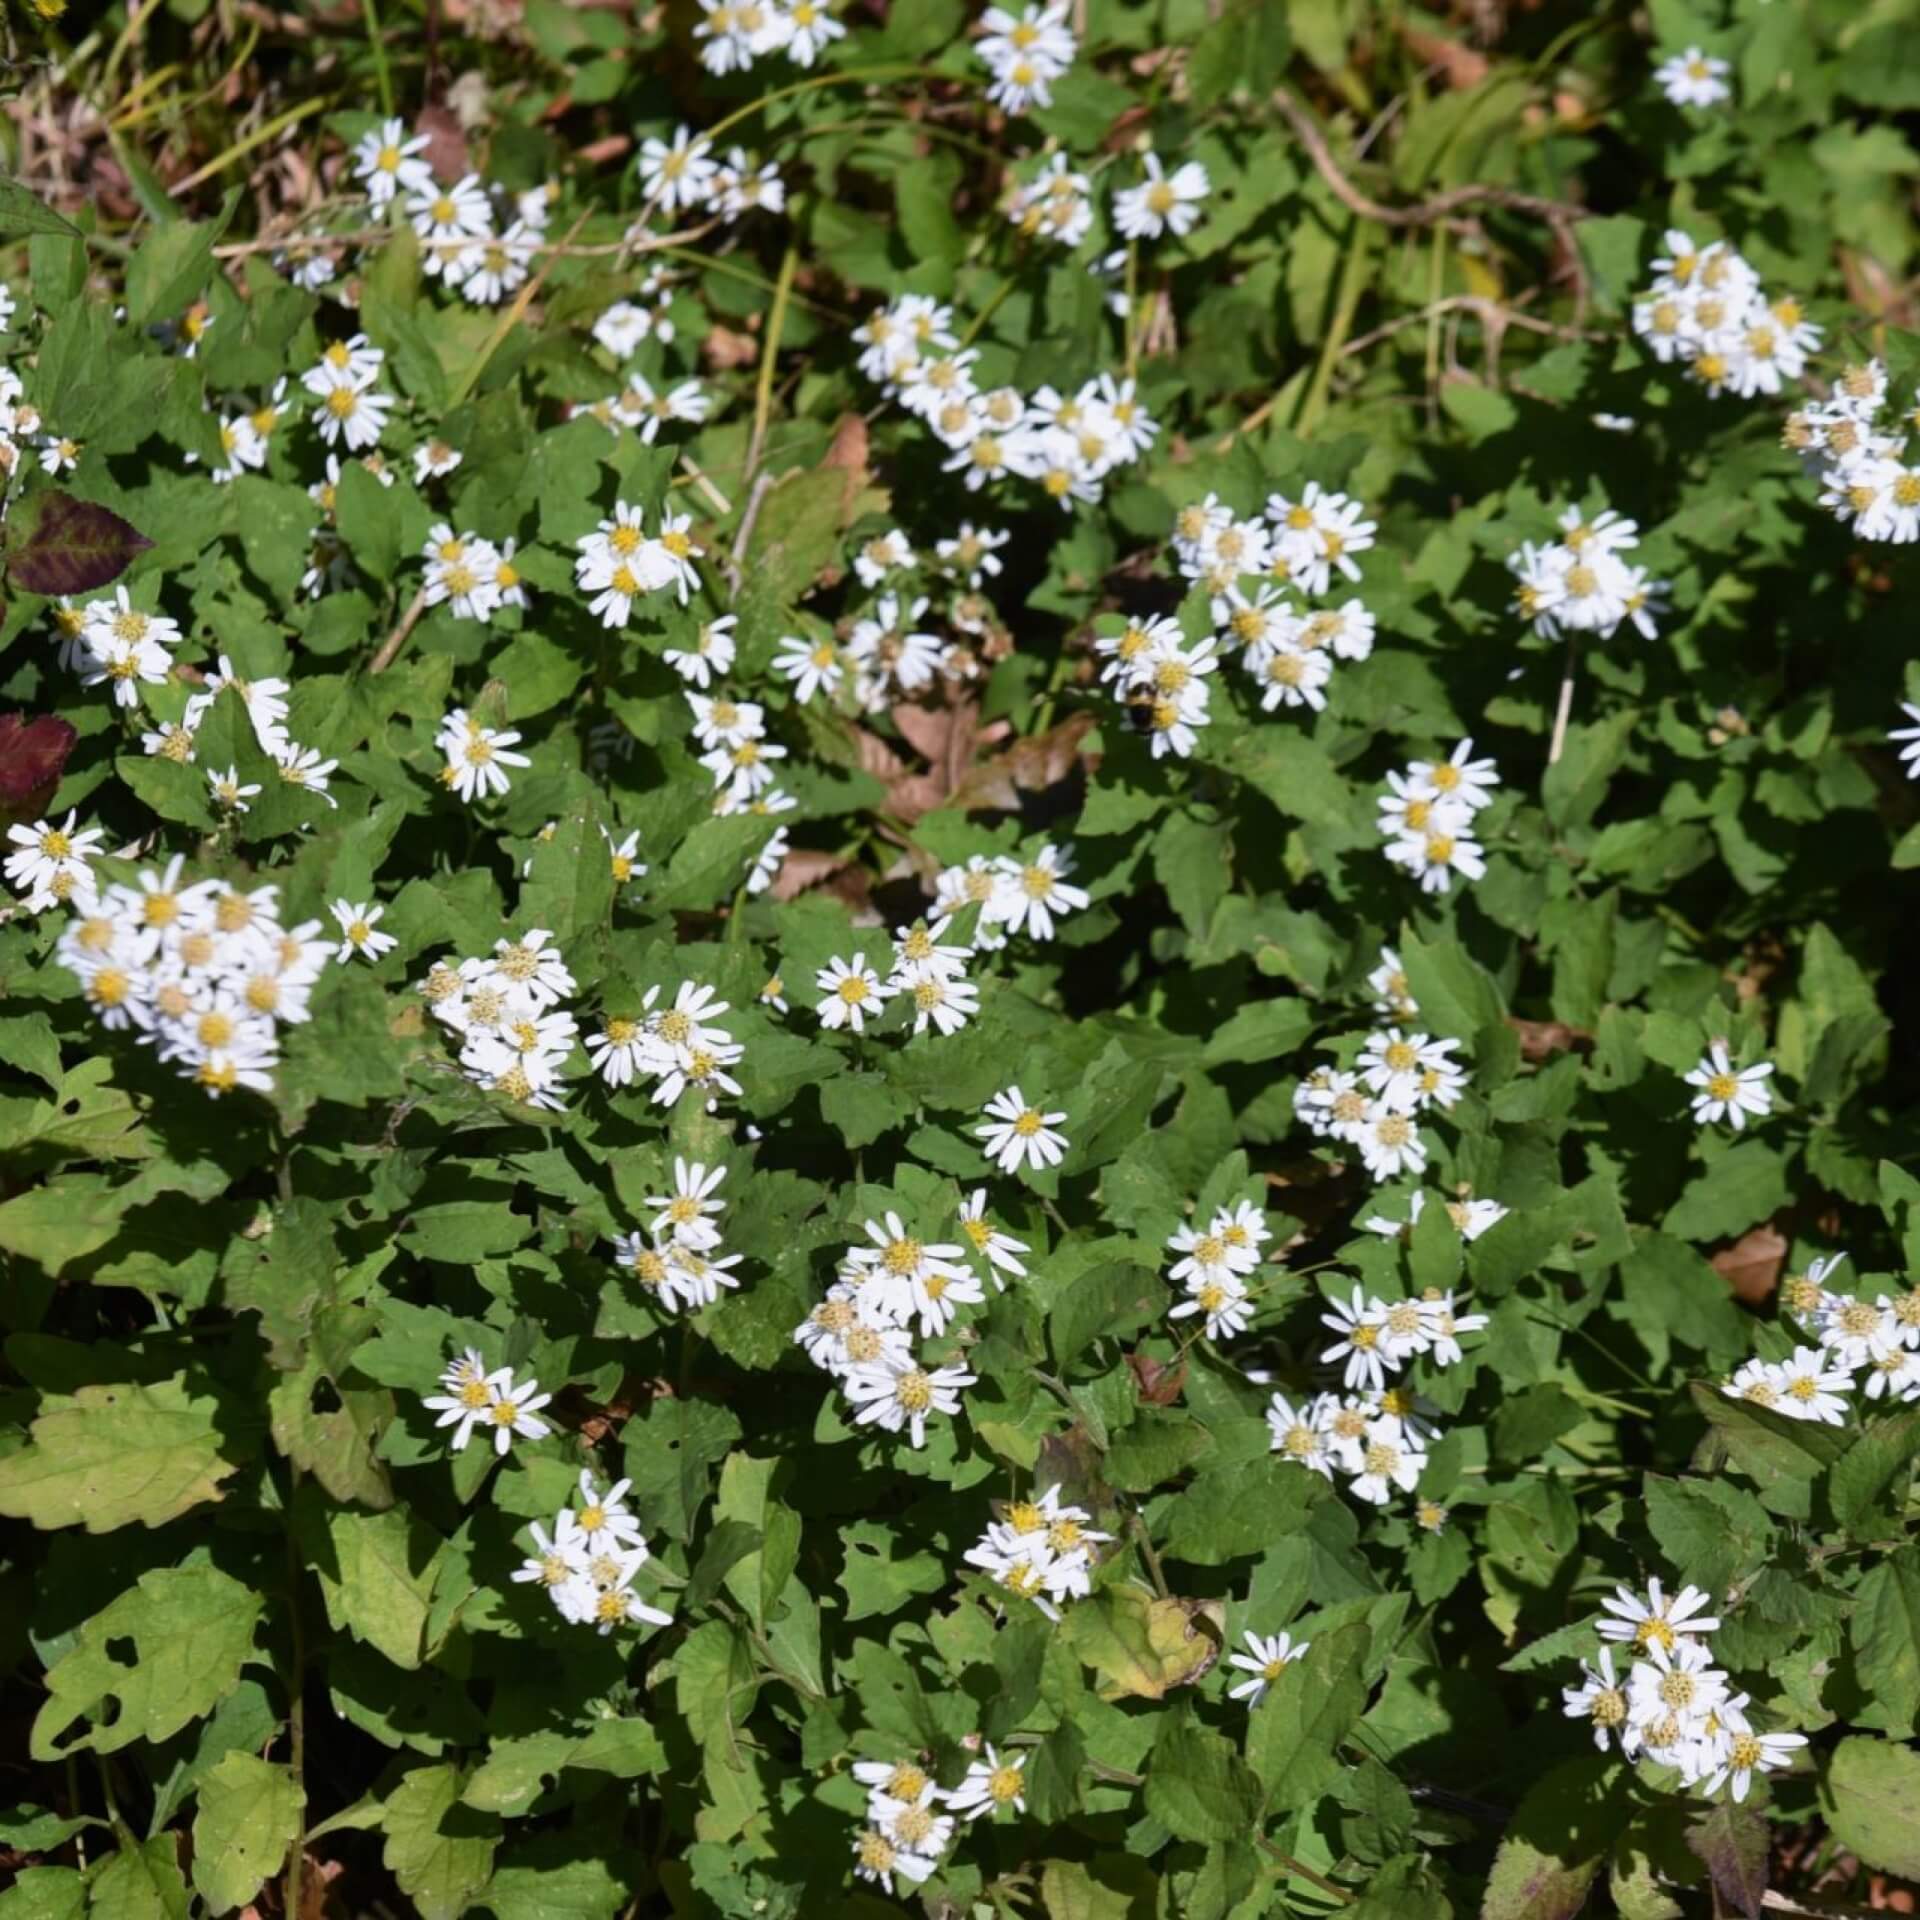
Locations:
(188, 1629)
(440, 1850)
(1198, 1787)
(1294, 1735)
(250, 1813)
(114, 1456)
(1871, 1793)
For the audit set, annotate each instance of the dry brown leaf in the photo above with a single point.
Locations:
(1751, 1266)
(1542, 1039)
(1031, 765)
(848, 448)
(1461, 65)
(724, 350)
(804, 867)
(874, 756)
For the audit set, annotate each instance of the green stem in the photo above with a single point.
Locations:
(769, 354)
(377, 40)
(1353, 278)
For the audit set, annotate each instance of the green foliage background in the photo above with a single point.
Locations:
(245, 1594)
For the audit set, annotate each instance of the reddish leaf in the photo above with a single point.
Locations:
(33, 754)
(57, 544)
(446, 142)
(1159, 1384)
(1733, 1843)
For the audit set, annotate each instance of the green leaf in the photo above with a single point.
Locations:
(1743, 1185)
(190, 1630)
(1711, 1531)
(1884, 1626)
(1782, 1456)
(23, 212)
(1198, 1787)
(1556, 1844)
(1246, 47)
(251, 1811)
(877, 1579)
(1871, 1795)
(140, 1882)
(111, 1456)
(1295, 1734)
(440, 1850)
(1456, 996)
(171, 267)
(1871, 1479)
(377, 1573)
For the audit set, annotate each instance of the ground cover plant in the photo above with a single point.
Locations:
(957, 960)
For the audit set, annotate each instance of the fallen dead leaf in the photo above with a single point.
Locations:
(1542, 1039)
(1752, 1265)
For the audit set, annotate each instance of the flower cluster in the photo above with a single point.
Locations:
(905, 1834)
(471, 576)
(1040, 1550)
(622, 326)
(1378, 1436)
(118, 645)
(677, 1258)
(477, 756)
(586, 1565)
(1471, 1218)
(1068, 445)
(619, 562)
(1026, 55)
(1674, 1706)
(205, 972)
(1261, 572)
(1163, 678)
(1427, 817)
(1579, 583)
(515, 1034)
(1867, 478)
(735, 33)
(932, 976)
(676, 1047)
(51, 864)
(476, 238)
(20, 421)
(682, 176)
(473, 1395)
(1366, 1436)
(1857, 1345)
(1375, 1105)
(1014, 896)
(1707, 313)
(1214, 1264)
(863, 1331)
(349, 407)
